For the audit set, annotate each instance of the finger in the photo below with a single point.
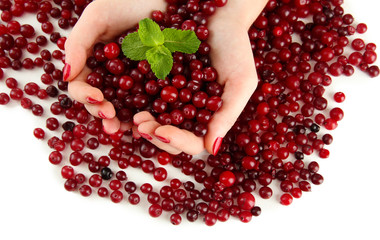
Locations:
(83, 92)
(168, 138)
(104, 110)
(135, 133)
(86, 32)
(111, 126)
(240, 80)
(141, 117)
(180, 139)
(125, 126)
(147, 130)
(102, 20)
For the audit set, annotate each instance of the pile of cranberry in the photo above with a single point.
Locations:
(279, 126)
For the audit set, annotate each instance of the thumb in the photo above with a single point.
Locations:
(81, 39)
(240, 80)
(103, 20)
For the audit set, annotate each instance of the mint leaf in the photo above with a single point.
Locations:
(181, 41)
(156, 46)
(160, 60)
(150, 33)
(133, 48)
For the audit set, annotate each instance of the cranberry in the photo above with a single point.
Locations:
(355, 58)
(373, 71)
(103, 192)
(160, 174)
(115, 66)
(169, 94)
(85, 190)
(39, 133)
(339, 97)
(111, 50)
(369, 57)
(227, 178)
(70, 184)
(116, 196)
(286, 199)
(27, 31)
(55, 157)
(155, 210)
(246, 201)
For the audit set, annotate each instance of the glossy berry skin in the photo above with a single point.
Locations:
(115, 66)
(106, 173)
(361, 28)
(155, 210)
(210, 219)
(339, 97)
(245, 216)
(95, 180)
(160, 174)
(55, 158)
(85, 190)
(163, 158)
(286, 199)
(330, 124)
(175, 219)
(358, 44)
(169, 94)
(227, 178)
(70, 184)
(4, 99)
(111, 50)
(103, 192)
(246, 201)
(116, 196)
(67, 172)
(39, 133)
(373, 71)
(134, 199)
(369, 57)
(249, 163)
(336, 114)
(220, 3)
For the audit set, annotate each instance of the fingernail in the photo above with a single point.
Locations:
(135, 134)
(146, 136)
(217, 144)
(66, 72)
(101, 115)
(92, 101)
(104, 130)
(162, 139)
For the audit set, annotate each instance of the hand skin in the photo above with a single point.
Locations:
(231, 55)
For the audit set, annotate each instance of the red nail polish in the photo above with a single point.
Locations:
(162, 139)
(146, 136)
(217, 144)
(66, 72)
(101, 115)
(92, 101)
(136, 136)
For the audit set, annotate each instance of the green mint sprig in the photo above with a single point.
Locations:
(157, 46)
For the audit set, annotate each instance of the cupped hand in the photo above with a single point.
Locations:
(101, 21)
(231, 55)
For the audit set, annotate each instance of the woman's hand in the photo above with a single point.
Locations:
(102, 20)
(231, 55)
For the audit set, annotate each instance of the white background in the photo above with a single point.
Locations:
(34, 203)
